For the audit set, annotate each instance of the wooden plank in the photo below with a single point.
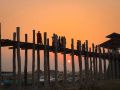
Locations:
(33, 61)
(14, 62)
(26, 61)
(73, 64)
(18, 58)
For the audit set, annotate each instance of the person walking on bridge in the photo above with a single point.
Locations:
(39, 38)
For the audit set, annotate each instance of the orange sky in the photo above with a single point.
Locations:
(79, 19)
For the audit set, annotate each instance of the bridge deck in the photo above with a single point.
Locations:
(23, 45)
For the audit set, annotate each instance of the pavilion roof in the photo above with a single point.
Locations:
(112, 43)
(113, 35)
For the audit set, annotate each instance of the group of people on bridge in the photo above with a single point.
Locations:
(59, 41)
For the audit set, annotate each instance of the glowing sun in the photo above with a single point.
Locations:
(69, 61)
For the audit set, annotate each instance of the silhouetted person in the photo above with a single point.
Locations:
(59, 41)
(55, 40)
(89, 49)
(62, 41)
(39, 38)
(78, 45)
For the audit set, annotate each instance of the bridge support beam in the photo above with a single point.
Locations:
(38, 67)
(104, 63)
(117, 65)
(18, 58)
(33, 61)
(48, 61)
(94, 68)
(45, 61)
(64, 57)
(73, 64)
(26, 61)
(100, 64)
(0, 53)
(14, 62)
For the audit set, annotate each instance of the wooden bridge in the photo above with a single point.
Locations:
(94, 61)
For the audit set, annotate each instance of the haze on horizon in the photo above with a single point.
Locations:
(79, 19)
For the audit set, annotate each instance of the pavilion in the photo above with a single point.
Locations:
(113, 42)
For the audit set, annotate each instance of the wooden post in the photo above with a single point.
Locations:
(14, 62)
(80, 59)
(33, 61)
(45, 61)
(91, 68)
(73, 64)
(104, 59)
(18, 57)
(38, 65)
(65, 67)
(96, 63)
(26, 60)
(113, 64)
(86, 65)
(93, 51)
(117, 65)
(100, 64)
(110, 65)
(0, 50)
(48, 61)
(56, 60)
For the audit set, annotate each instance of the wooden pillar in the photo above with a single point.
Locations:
(14, 62)
(93, 52)
(26, 60)
(117, 65)
(56, 60)
(96, 62)
(48, 60)
(80, 59)
(38, 65)
(33, 61)
(86, 61)
(100, 64)
(73, 64)
(91, 64)
(110, 65)
(64, 57)
(45, 61)
(0, 49)
(113, 64)
(104, 61)
(18, 58)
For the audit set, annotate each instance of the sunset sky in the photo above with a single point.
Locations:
(79, 19)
